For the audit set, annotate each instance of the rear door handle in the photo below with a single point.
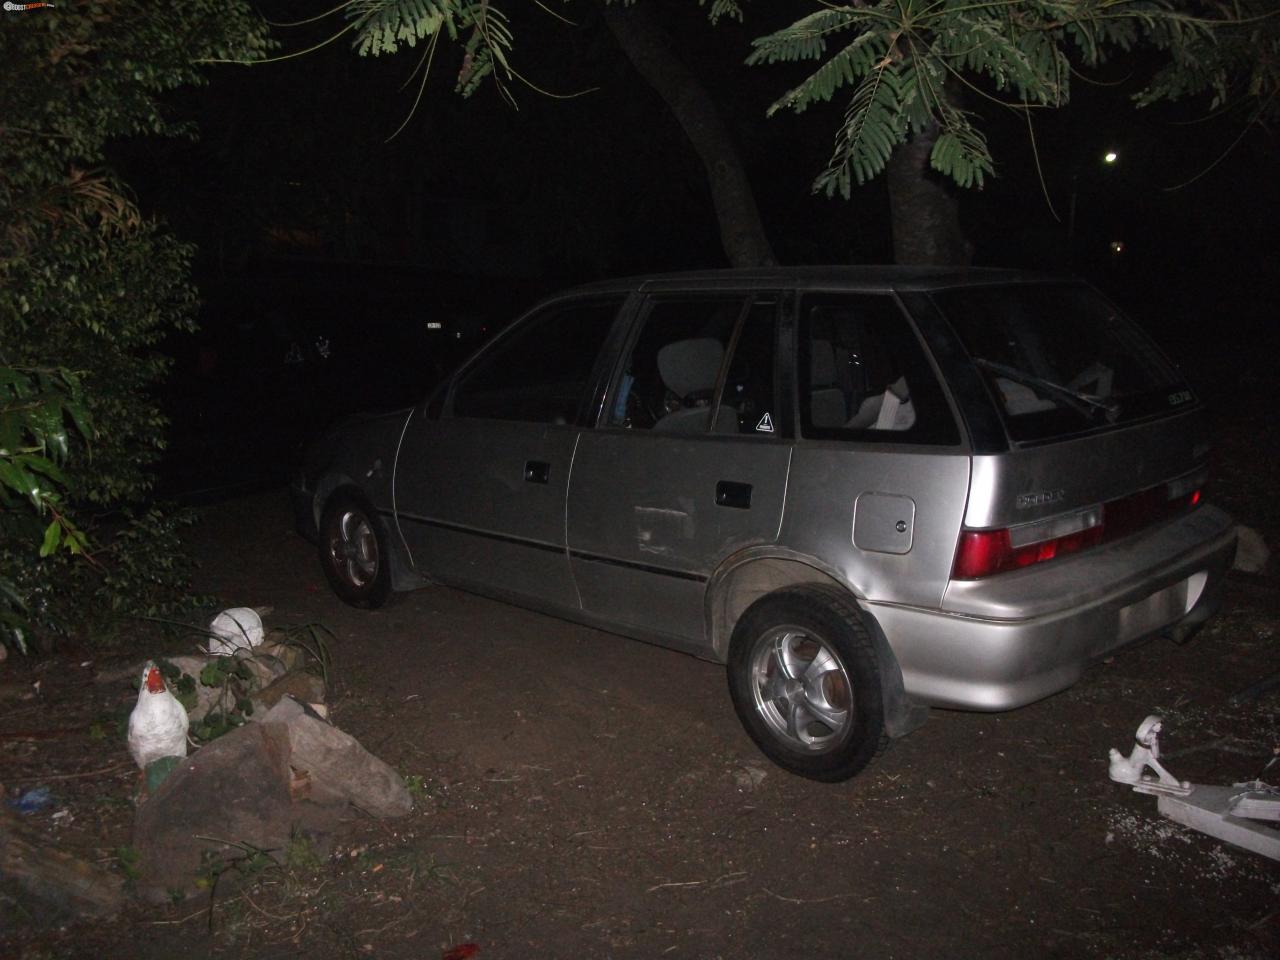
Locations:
(730, 494)
(536, 471)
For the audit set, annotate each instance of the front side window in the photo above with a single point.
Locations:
(864, 376)
(698, 365)
(540, 372)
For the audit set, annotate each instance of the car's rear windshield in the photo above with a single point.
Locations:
(1059, 359)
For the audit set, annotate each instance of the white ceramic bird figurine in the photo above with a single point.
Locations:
(158, 724)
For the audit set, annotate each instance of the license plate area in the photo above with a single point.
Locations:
(1153, 612)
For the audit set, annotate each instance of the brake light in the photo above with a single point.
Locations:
(982, 553)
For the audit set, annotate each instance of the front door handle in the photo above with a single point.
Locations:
(536, 471)
(730, 494)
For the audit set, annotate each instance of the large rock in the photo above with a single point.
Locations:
(252, 790)
(304, 687)
(339, 767)
(225, 800)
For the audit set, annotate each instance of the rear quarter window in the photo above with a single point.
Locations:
(864, 375)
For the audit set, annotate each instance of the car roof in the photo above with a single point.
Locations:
(860, 277)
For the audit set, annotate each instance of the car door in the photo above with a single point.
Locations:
(688, 464)
(479, 487)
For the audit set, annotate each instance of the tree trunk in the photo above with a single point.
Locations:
(650, 50)
(924, 208)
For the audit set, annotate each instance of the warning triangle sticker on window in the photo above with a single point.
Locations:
(765, 425)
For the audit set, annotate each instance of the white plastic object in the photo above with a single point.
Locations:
(239, 628)
(1146, 754)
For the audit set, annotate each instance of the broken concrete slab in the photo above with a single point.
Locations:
(1252, 553)
(49, 886)
(339, 767)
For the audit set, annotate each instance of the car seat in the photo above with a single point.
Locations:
(689, 369)
(827, 404)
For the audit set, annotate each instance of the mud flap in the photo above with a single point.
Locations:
(901, 714)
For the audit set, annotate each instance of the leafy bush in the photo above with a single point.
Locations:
(35, 406)
(88, 288)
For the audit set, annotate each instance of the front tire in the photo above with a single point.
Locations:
(353, 551)
(805, 682)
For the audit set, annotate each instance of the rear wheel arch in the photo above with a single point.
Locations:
(742, 581)
(744, 578)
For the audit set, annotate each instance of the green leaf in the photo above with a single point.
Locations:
(52, 534)
(214, 673)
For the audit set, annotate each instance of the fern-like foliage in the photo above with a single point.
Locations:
(900, 61)
(1237, 63)
(872, 127)
(482, 29)
(898, 56)
(384, 26)
(719, 9)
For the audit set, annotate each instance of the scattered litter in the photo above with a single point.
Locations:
(1226, 813)
(239, 628)
(748, 778)
(463, 951)
(33, 801)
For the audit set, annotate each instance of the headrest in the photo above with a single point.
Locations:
(688, 366)
(822, 364)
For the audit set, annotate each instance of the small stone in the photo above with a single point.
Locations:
(1251, 550)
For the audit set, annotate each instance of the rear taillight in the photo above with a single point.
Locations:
(982, 553)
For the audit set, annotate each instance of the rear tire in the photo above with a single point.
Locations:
(805, 682)
(353, 551)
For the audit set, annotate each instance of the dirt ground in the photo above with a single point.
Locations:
(580, 795)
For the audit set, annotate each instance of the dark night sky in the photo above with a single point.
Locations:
(477, 209)
(605, 183)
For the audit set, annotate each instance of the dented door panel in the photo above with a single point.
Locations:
(646, 531)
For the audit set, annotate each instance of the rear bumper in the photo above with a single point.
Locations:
(1167, 581)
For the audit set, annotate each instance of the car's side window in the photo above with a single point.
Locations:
(863, 374)
(541, 371)
(676, 371)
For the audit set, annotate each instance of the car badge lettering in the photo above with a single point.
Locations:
(765, 425)
(1040, 498)
(1179, 398)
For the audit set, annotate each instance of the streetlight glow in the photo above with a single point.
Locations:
(1110, 157)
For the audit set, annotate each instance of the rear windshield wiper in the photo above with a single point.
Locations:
(1083, 403)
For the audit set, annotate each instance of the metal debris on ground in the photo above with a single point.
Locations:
(1228, 813)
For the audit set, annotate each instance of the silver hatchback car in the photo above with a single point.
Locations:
(868, 491)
